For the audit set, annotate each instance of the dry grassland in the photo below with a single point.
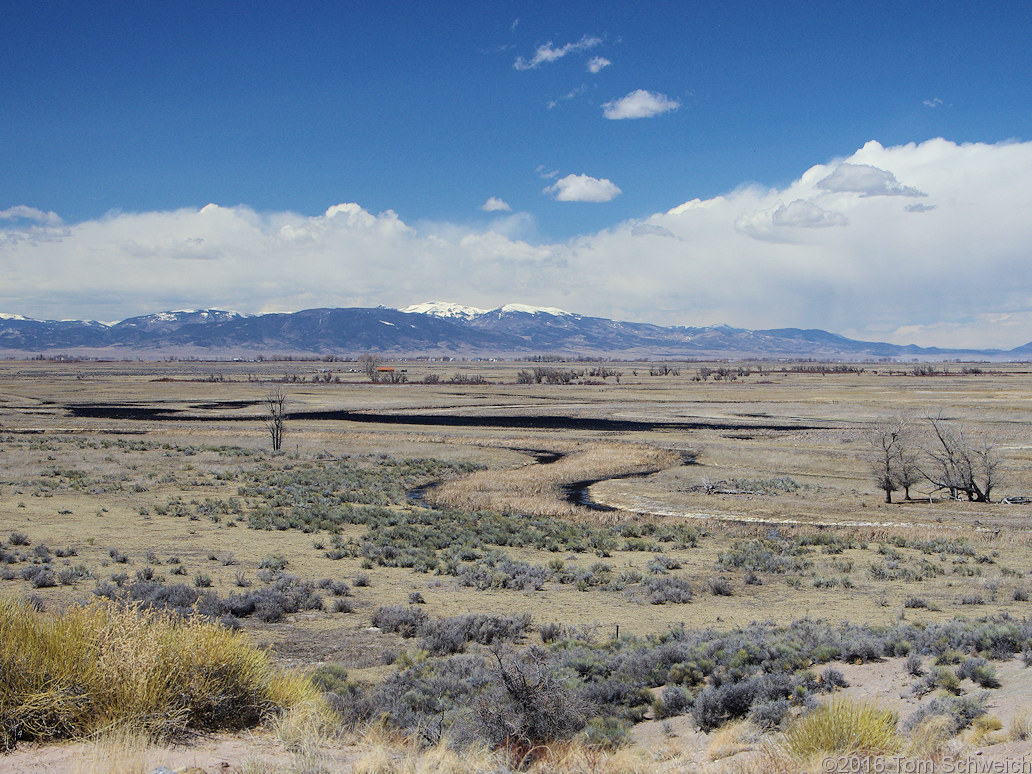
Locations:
(170, 497)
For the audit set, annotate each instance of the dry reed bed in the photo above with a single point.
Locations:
(538, 489)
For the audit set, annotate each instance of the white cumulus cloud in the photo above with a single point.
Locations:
(583, 188)
(802, 214)
(597, 64)
(867, 180)
(23, 212)
(639, 104)
(549, 53)
(647, 229)
(494, 204)
(842, 256)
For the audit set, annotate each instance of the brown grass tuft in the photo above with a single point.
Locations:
(102, 668)
(731, 739)
(930, 736)
(1020, 727)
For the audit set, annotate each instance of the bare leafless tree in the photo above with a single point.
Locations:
(907, 454)
(275, 416)
(908, 470)
(883, 459)
(370, 364)
(961, 467)
(894, 456)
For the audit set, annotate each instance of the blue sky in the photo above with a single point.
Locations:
(131, 116)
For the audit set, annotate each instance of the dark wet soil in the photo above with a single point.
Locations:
(417, 496)
(228, 404)
(121, 411)
(578, 494)
(511, 421)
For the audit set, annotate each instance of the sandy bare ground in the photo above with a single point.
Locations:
(215, 754)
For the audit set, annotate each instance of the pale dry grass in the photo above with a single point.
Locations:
(769, 757)
(930, 737)
(537, 489)
(306, 727)
(985, 731)
(120, 752)
(383, 751)
(842, 726)
(577, 758)
(102, 668)
(1020, 727)
(731, 739)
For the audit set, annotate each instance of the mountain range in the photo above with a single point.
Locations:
(439, 329)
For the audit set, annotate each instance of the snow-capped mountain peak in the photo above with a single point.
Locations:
(445, 309)
(525, 309)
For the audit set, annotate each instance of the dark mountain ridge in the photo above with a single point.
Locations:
(440, 329)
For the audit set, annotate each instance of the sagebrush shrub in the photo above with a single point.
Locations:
(831, 679)
(550, 632)
(768, 715)
(913, 665)
(979, 671)
(529, 703)
(961, 711)
(715, 705)
(406, 621)
(673, 701)
(720, 587)
(661, 590)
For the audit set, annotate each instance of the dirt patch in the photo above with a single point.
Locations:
(215, 754)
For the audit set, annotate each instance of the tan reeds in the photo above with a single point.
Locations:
(538, 489)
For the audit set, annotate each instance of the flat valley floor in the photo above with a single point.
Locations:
(604, 496)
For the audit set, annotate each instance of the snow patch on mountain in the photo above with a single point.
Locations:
(182, 315)
(445, 309)
(459, 311)
(525, 309)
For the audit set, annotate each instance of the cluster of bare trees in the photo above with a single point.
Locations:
(935, 451)
(723, 373)
(548, 375)
(379, 373)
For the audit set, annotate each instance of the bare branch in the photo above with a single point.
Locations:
(959, 467)
(275, 415)
(893, 457)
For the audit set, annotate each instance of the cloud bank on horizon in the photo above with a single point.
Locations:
(921, 243)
